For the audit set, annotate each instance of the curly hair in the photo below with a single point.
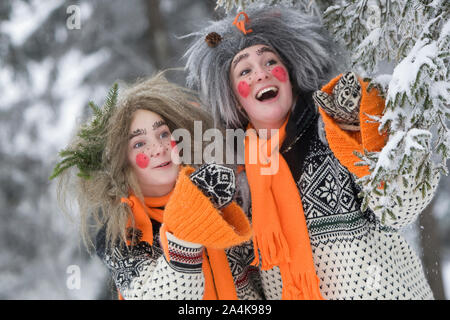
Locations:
(305, 48)
(99, 197)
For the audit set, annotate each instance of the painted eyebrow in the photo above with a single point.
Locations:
(239, 58)
(260, 51)
(158, 124)
(137, 132)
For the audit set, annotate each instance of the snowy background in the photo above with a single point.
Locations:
(54, 58)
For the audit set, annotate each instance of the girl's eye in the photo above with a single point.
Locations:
(165, 134)
(138, 145)
(244, 72)
(271, 62)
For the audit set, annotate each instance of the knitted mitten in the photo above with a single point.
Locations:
(343, 104)
(217, 183)
(191, 216)
(342, 141)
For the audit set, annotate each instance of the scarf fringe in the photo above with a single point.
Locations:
(274, 250)
(303, 286)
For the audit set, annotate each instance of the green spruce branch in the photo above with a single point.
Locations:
(86, 155)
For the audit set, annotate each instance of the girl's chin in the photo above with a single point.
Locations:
(160, 177)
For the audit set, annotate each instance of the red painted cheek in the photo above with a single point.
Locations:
(142, 160)
(173, 143)
(280, 73)
(243, 89)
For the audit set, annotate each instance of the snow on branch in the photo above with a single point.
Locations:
(415, 36)
(308, 6)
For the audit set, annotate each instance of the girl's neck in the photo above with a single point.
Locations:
(155, 192)
(264, 130)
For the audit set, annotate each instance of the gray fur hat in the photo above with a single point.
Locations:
(307, 51)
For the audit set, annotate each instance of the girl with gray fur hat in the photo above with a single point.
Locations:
(261, 71)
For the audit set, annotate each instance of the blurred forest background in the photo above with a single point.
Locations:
(51, 65)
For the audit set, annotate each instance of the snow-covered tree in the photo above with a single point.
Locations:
(414, 36)
(314, 7)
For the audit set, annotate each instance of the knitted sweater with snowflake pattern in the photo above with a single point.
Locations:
(355, 256)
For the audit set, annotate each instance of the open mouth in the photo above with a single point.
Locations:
(164, 164)
(267, 93)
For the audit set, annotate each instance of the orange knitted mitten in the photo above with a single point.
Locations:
(342, 142)
(190, 215)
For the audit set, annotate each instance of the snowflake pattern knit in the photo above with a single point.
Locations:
(354, 255)
(143, 272)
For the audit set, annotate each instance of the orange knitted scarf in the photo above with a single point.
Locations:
(219, 282)
(279, 225)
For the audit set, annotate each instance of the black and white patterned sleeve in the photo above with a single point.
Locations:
(142, 271)
(413, 202)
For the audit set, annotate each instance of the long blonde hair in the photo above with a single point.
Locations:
(99, 197)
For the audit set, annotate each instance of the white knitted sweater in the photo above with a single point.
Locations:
(354, 255)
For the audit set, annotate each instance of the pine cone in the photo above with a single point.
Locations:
(213, 39)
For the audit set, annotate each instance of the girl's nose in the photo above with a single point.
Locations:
(156, 150)
(262, 74)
